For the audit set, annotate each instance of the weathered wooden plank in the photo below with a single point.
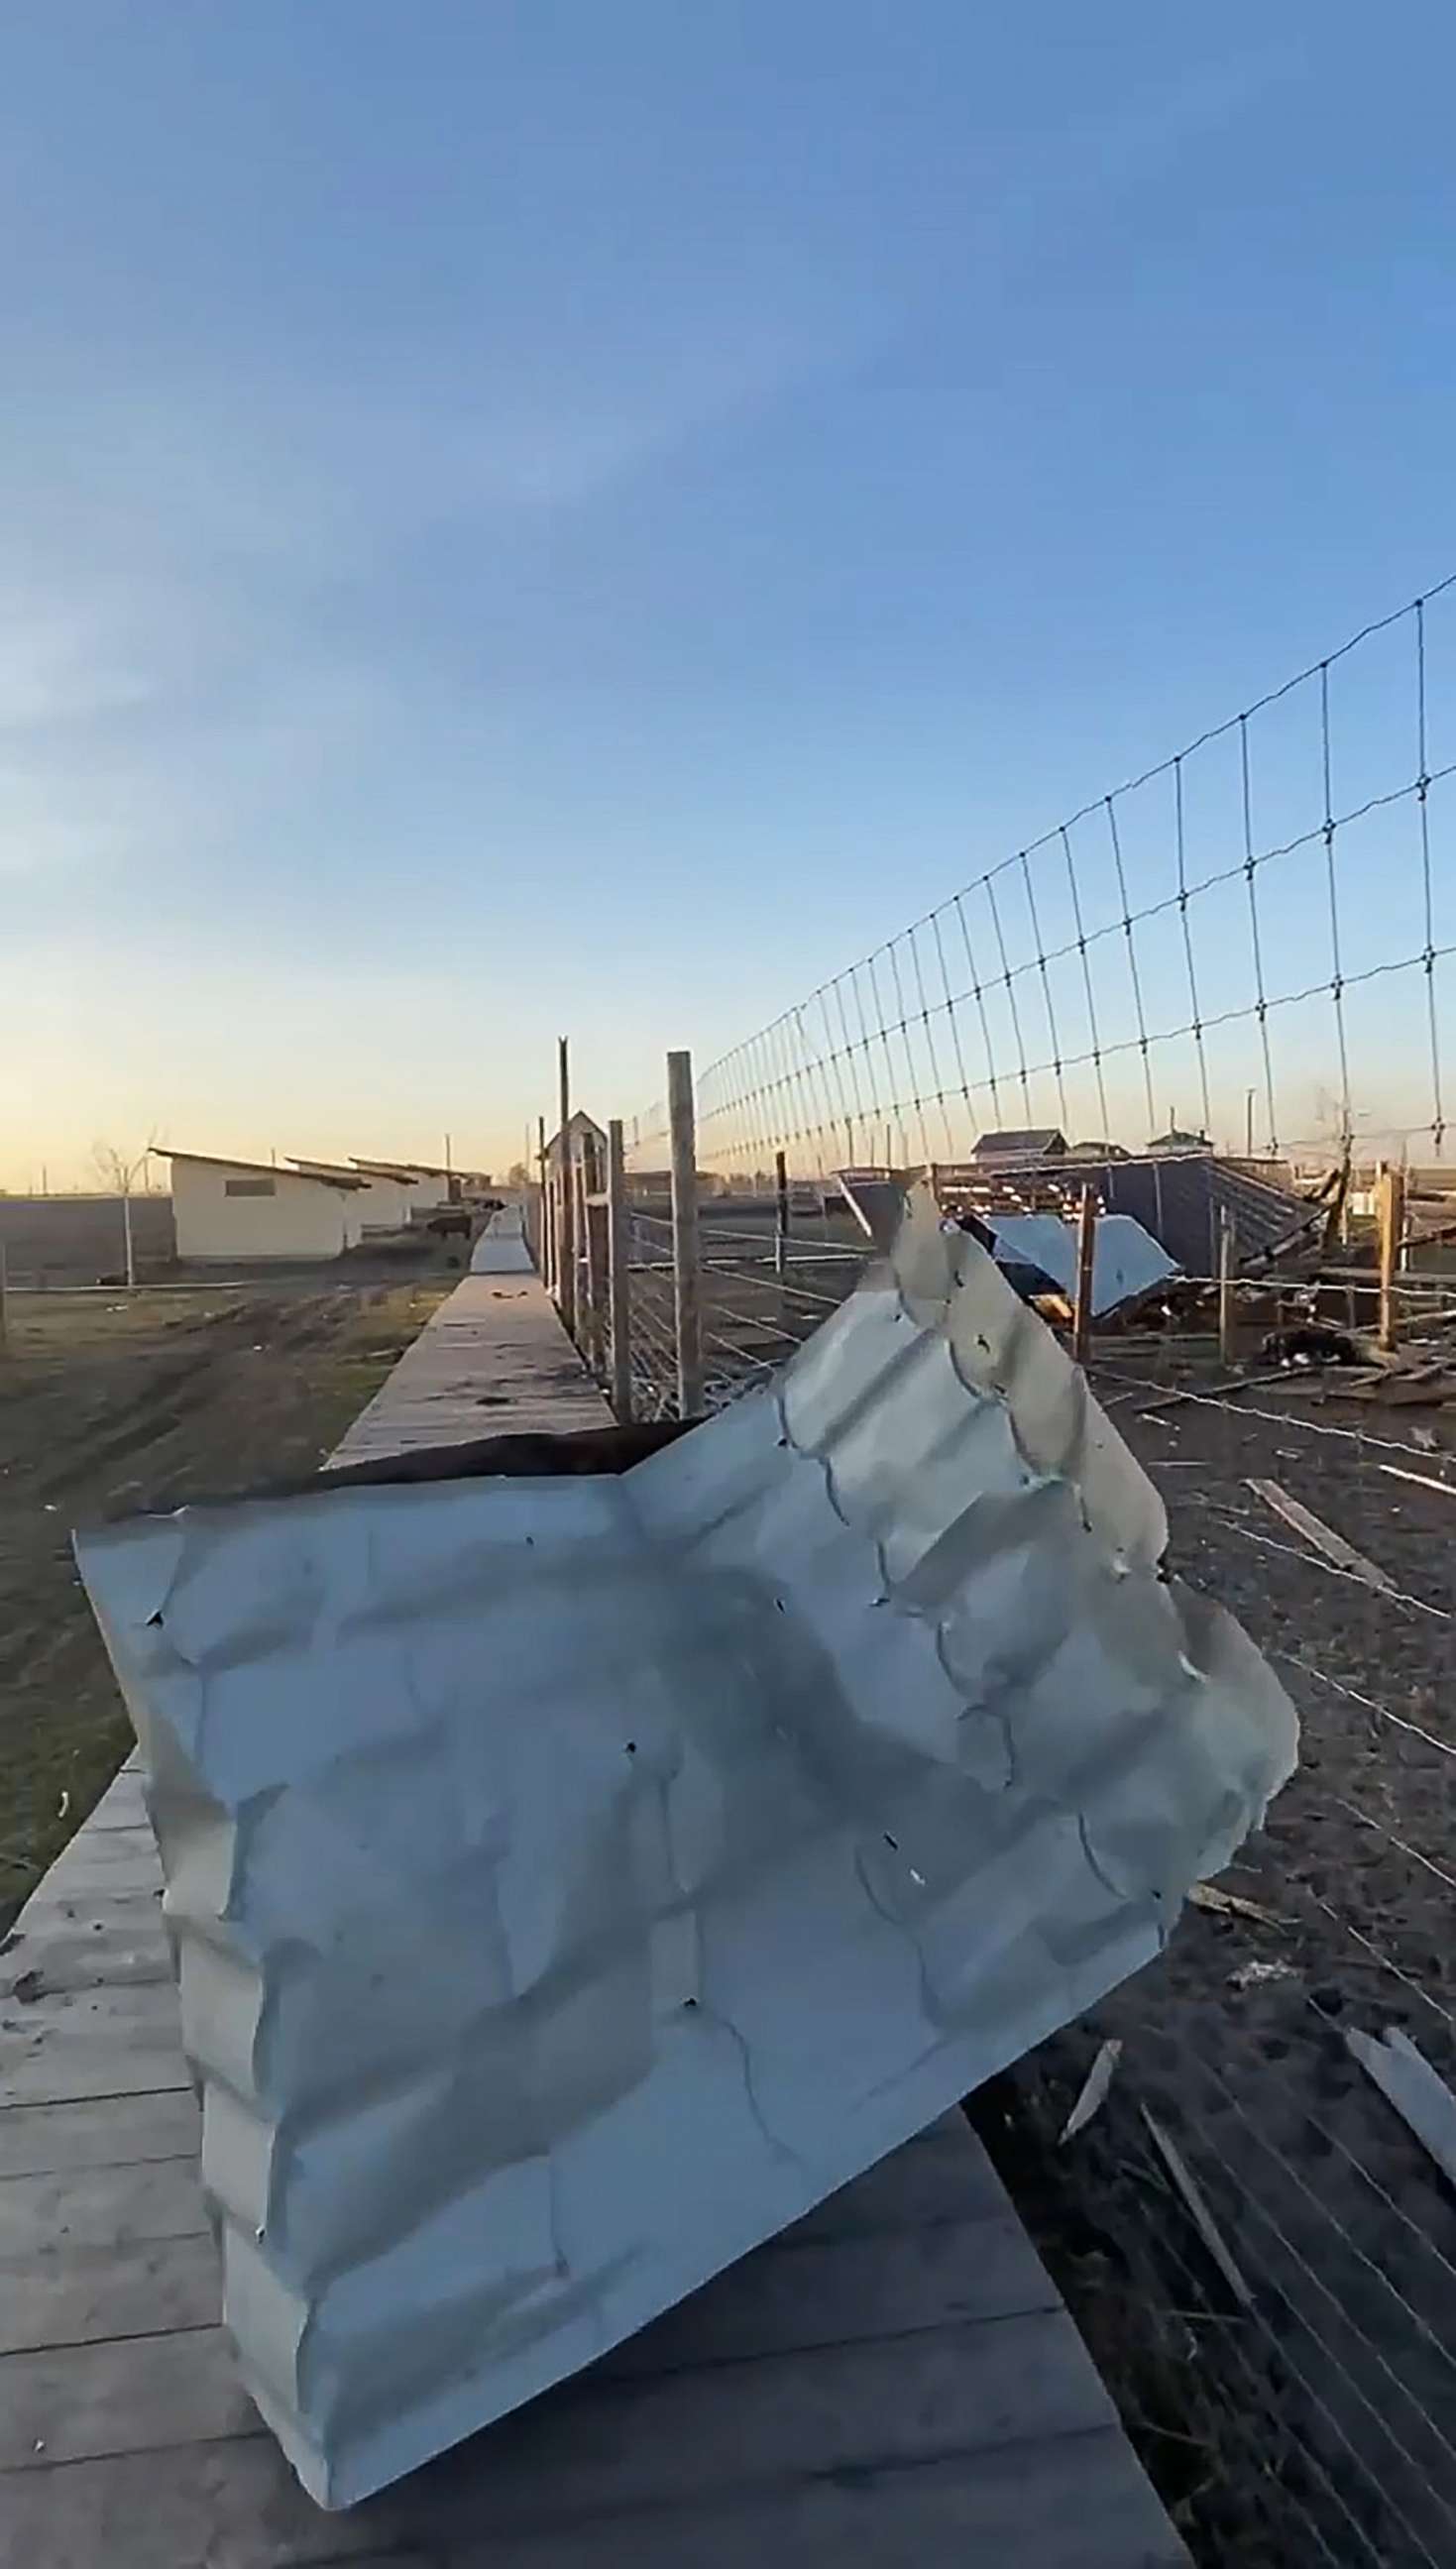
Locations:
(497, 1341)
(95, 2132)
(601, 2444)
(98, 2042)
(89, 2207)
(90, 1944)
(941, 2178)
(815, 2293)
(112, 1861)
(83, 2294)
(128, 2396)
(1075, 2505)
(123, 1805)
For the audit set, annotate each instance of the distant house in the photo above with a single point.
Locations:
(246, 1209)
(1040, 1142)
(1097, 1151)
(1174, 1142)
(586, 1149)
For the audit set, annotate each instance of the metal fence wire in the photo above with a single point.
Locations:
(1248, 945)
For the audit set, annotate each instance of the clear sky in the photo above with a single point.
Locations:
(588, 513)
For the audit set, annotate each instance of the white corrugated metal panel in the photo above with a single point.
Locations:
(576, 1880)
(1126, 1258)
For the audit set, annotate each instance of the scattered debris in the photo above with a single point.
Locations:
(1423, 1480)
(1406, 2079)
(1197, 2211)
(1254, 1976)
(1311, 1343)
(1324, 1539)
(1094, 2087)
(63, 1804)
(1231, 1903)
(1426, 1438)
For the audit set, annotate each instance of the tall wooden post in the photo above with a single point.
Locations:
(565, 1253)
(1390, 1205)
(686, 1258)
(1086, 1264)
(619, 1287)
(1228, 1348)
(593, 1280)
(781, 1212)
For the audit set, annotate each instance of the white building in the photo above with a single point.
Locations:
(422, 1189)
(389, 1192)
(245, 1209)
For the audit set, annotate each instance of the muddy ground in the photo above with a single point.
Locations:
(1315, 2418)
(111, 1406)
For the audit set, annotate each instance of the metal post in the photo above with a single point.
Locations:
(1228, 1348)
(1086, 1263)
(619, 1291)
(565, 1248)
(1391, 1207)
(780, 1224)
(126, 1234)
(540, 1245)
(687, 1264)
(4, 1308)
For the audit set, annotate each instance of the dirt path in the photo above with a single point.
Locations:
(106, 1408)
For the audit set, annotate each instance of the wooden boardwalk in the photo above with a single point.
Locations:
(893, 2383)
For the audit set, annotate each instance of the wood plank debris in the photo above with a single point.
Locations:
(1231, 1903)
(1304, 1522)
(1094, 2088)
(1195, 2205)
(1423, 1480)
(1407, 2081)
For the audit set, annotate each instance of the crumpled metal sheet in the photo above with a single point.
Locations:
(573, 1881)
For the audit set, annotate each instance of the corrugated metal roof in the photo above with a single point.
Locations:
(576, 1880)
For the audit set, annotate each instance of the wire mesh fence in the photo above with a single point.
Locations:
(1225, 984)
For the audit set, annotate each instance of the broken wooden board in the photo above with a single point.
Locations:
(1304, 1521)
(1194, 2203)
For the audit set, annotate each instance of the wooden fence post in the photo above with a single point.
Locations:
(1390, 1205)
(1086, 1264)
(781, 1218)
(619, 1253)
(566, 1243)
(593, 1280)
(1226, 1334)
(686, 1258)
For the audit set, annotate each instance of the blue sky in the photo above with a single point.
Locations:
(588, 516)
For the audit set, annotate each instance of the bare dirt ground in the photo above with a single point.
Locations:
(1314, 2421)
(1310, 2415)
(111, 1406)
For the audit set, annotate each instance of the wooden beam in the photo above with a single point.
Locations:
(686, 1258)
(566, 1256)
(1228, 1336)
(1086, 1261)
(1390, 1207)
(619, 1287)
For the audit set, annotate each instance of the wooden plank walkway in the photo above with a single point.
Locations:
(891, 2383)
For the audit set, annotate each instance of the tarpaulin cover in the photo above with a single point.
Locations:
(576, 1880)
